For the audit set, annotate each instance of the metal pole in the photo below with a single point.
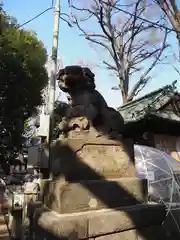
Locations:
(52, 85)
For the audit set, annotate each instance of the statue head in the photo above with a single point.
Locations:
(73, 79)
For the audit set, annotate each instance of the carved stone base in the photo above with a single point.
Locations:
(93, 195)
(94, 159)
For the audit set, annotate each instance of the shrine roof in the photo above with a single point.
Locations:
(150, 104)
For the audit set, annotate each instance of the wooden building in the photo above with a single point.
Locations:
(154, 120)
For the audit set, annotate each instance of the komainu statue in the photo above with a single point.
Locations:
(88, 112)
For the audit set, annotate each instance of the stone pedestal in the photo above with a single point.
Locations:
(95, 195)
(93, 159)
(93, 174)
(140, 222)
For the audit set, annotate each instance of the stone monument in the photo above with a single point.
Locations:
(94, 192)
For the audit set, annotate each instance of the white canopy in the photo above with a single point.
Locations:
(161, 171)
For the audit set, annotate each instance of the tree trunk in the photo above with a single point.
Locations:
(124, 85)
(124, 97)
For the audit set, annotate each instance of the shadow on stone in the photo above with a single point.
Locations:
(109, 193)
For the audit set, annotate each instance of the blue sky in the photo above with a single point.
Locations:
(73, 48)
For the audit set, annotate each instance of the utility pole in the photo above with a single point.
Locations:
(52, 82)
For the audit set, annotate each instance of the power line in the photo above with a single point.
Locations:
(38, 15)
(138, 17)
(145, 20)
(32, 19)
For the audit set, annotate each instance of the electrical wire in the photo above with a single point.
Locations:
(32, 19)
(38, 15)
(144, 19)
(134, 15)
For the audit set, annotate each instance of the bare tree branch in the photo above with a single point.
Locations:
(176, 69)
(87, 36)
(110, 67)
(171, 10)
(125, 37)
(143, 80)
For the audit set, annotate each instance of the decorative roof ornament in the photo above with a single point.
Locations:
(174, 85)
